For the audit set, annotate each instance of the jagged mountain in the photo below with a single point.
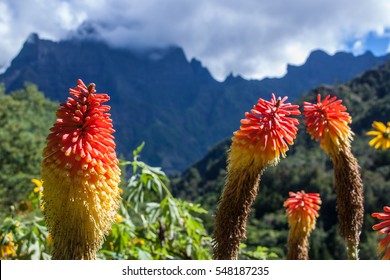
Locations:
(160, 97)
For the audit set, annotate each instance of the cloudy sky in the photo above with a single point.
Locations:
(252, 38)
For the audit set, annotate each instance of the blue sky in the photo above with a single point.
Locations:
(378, 44)
(252, 38)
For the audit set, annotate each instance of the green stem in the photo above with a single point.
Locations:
(352, 251)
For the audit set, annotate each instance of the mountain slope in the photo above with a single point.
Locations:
(307, 168)
(160, 97)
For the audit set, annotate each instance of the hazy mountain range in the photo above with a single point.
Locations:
(160, 97)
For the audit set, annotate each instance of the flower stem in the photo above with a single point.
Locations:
(240, 191)
(349, 199)
(352, 251)
(298, 247)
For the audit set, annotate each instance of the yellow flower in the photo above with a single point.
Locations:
(38, 184)
(382, 135)
(7, 248)
(136, 241)
(118, 218)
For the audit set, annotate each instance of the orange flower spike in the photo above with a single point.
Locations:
(327, 121)
(302, 214)
(302, 209)
(263, 137)
(266, 132)
(383, 228)
(81, 175)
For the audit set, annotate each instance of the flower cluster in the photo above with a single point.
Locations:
(383, 228)
(302, 211)
(327, 121)
(7, 247)
(80, 171)
(264, 135)
(267, 130)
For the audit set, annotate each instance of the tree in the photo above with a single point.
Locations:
(25, 118)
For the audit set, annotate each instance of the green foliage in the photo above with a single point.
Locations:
(260, 253)
(25, 118)
(26, 231)
(153, 223)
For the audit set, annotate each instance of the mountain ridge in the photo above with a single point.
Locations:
(160, 97)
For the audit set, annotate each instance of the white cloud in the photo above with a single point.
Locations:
(252, 38)
(66, 18)
(358, 47)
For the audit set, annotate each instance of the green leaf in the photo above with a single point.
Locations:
(138, 150)
(143, 255)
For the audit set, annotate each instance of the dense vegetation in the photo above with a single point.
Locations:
(25, 118)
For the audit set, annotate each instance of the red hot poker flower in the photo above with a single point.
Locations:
(302, 211)
(264, 135)
(383, 228)
(266, 131)
(80, 174)
(302, 214)
(327, 121)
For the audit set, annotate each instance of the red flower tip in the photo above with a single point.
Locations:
(83, 132)
(383, 228)
(302, 211)
(267, 130)
(327, 121)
